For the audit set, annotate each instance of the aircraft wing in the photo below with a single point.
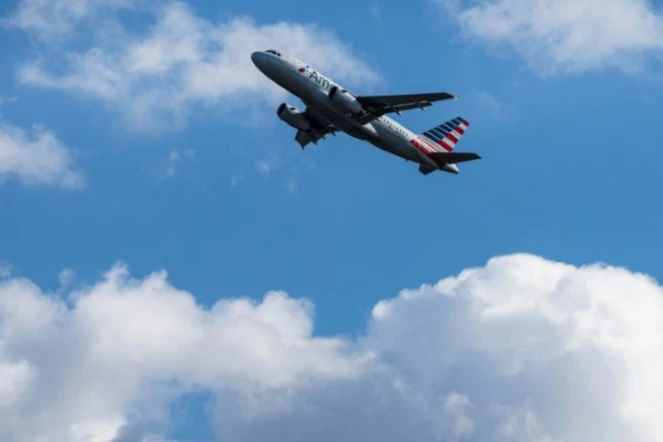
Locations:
(378, 105)
(319, 130)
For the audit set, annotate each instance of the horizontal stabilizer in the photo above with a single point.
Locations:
(453, 157)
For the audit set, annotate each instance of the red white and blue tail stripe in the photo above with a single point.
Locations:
(448, 134)
(442, 138)
(438, 144)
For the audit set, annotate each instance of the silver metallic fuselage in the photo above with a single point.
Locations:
(312, 88)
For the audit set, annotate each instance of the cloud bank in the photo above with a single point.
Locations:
(155, 78)
(37, 158)
(568, 36)
(520, 349)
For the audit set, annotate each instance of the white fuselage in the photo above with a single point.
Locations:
(313, 88)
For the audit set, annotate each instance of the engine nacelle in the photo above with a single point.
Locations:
(293, 116)
(345, 100)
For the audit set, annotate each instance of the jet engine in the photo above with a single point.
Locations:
(293, 116)
(345, 100)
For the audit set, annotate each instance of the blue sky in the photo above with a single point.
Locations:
(217, 193)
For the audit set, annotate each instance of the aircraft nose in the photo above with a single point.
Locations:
(258, 58)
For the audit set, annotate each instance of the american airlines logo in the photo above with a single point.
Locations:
(318, 78)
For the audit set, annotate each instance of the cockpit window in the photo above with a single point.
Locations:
(272, 51)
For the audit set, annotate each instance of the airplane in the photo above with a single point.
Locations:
(330, 108)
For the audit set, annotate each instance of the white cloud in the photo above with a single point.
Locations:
(490, 105)
(37, 158)
(592, 335)
(49, 19)
(168, 167)
(4, 100)
(291, 185)
(376, 11)
(156, 79)
(521, 425)
(568, 36)
(128, 346)
(522, 349)
(15, 379)
(5, 270)
(66, 277)
(266, 166)
(456, 405)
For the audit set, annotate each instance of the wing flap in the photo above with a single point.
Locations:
(319, 130)
(304, 138)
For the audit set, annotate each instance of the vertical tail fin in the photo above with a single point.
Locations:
(447, 134)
